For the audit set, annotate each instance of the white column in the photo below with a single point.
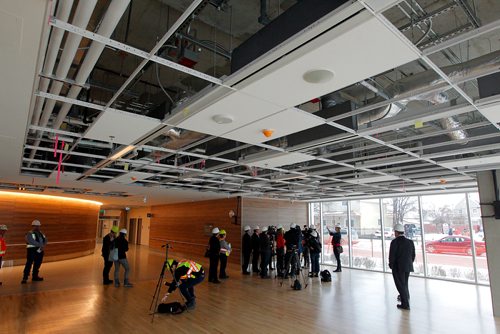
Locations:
(487, 190)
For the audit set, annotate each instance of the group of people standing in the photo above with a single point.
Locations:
(289, 247)
(218, 250)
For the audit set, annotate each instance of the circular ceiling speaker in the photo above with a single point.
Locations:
(222, 119)
(318, 76)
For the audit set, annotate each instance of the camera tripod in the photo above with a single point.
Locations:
(157, 293)
(295, 269)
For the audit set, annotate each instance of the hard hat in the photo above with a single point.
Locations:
(314, 234)
(256, 228)
(3, 227)
(222, 232)
(36, 223)
(115, 229)
(338, 225)
(264, 229)
(280, 227)
(399, 228)
(171, 262)
(292, 225)
(123, 230)
(247, 228)
(215, 230)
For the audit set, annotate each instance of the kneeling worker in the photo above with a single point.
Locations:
(186, 274)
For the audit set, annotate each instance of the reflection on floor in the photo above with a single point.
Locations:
(72, 300)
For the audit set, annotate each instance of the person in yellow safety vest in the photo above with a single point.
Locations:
(187, 274)
(225, 250)
(35, 246)
(3, 245)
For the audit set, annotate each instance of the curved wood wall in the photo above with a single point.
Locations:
(186, 226)
(69, 224)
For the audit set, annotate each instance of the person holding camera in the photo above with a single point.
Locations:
(265, 252)
(336, 242)
(255, 249)
(187, 274)
(292, 239)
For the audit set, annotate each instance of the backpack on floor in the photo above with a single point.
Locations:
(296, 285)
(172, 308)
(326, 276)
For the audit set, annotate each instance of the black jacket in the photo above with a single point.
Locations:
(214, 246)
(314, 245)
(255, 242)
(181, 271)
(292, 238)
(401, 254)
(107, 244)
(122, 244)
(246, 244)
(265, 243)
(336, 238)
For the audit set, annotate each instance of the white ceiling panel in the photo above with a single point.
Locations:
(278, 159)
(121, 127)
(240, 107)
(130, 177)
(479, 161)
(374, 179)
(283, 123)
(355, 50)
(381, 5)
(491, 112)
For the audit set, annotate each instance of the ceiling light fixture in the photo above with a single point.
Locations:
(318, 76)
(122, 152)
(222, 119)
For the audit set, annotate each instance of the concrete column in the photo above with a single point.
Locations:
(487, 191)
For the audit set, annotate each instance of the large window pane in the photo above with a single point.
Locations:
(478, 236)
(315, 216)
(447, 237)
(365, 220)
(403, 210)
(335, 213)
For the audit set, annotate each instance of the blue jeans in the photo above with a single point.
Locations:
(187, 287)
(125, 265)
(314, 263)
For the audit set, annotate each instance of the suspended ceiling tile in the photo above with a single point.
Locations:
(131, 177)
(479, 161)
(491, 112)
(283, 123)
(275, 159)
(355, 50)
(381, 178)
(381, 5)
(121, 127)
(239, 107)
(65, 176)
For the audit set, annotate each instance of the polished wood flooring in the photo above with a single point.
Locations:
(72, 300)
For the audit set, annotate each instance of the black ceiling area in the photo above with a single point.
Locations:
(291, 99)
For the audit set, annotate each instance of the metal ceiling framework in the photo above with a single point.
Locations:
(406, 153)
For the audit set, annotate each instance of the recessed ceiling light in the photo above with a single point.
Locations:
(318, 76)
(222, 119)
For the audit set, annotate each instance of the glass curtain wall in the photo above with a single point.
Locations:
(447, 231)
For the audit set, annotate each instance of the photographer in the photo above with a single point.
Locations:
(292, 239)
(265, 252)
(314, 246)
(186, 274)
(336, 241)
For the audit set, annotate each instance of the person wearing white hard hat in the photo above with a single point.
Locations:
(265, 252)
(246, 249)
(292, 239)
(3, 245)
(314, 246)
(337, 246)
(35, 246)
(213, 254)
(401, 258)
(121, 244)
(255, 249)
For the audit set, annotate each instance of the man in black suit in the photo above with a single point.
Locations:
(401, 257)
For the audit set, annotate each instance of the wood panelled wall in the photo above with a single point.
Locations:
(70, 225)
(265, 212)
(187, 226)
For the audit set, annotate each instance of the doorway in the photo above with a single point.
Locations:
(131, 230)
(139, 230)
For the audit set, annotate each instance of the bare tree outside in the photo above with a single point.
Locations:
(402, 206)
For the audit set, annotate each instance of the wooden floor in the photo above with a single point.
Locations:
(72, 300)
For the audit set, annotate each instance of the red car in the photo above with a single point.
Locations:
(455, 244)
